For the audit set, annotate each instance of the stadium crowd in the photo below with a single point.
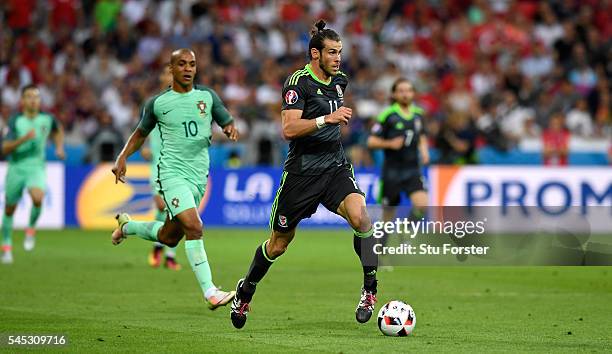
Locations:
(487, 72)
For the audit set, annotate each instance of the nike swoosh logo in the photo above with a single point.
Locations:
(197, 264)
(166, 112)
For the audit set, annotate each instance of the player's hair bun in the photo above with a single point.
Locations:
(318, 35)
(318, 27)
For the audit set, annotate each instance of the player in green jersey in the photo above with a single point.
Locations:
(184, 115)
(151, 153)
(24, 145)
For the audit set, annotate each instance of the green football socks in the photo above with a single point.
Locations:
(199, 263)
(34, 214)
(7, 230)
(146, 230)
(160, 215)
(170, 252)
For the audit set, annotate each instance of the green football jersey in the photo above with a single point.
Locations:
(155, 144)
(155, 147)
(184, 121)
(31, 152)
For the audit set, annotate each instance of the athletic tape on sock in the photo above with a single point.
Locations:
(364, 234)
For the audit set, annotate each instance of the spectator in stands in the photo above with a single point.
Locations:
(409, 60)
(456, 140)
(582, 76)
(85, 113)
(101, 69)
(579, 120)
(123, 41)
(19, 15)
(11, 93)
(516, 121)
(555, 141)
(564, 46)
(537, 64)
(548, 30)
(489, 128)
(460, 98)
(64, 14)
(565, 96)
(106, 12)
(484, 79)
(47, 89)
(34, 53)
(603, 119)
(123, 111)
(106, 142)
(150, 44)
(462, 50)
(15, 66)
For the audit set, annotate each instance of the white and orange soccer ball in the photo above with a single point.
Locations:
(396, 319)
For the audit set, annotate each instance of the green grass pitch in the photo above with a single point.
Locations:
(106, 298)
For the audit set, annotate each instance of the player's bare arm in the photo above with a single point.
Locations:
(10, 145)
(133, 144)
(375, 142)
(424, 150)
(294, 126)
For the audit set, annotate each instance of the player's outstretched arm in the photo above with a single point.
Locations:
(133, 144)
(221, 115)
(9, 146)
(295, 127)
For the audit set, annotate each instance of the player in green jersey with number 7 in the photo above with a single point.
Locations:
(183, 114)
(24, 145)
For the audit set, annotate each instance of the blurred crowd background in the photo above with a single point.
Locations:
(496, 74)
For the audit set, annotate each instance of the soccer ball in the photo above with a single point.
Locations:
(396, 319)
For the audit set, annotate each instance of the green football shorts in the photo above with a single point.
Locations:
(18, 178)
(180, 195)
(153, 180)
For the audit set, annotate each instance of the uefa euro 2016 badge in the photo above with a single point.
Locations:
(340, 93)
(291, 97)
(202, 107)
